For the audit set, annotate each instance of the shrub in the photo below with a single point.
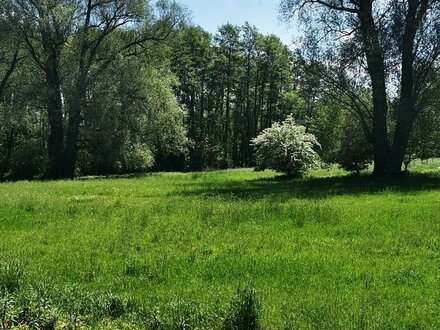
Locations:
(243, 313)
(355, 153)
(109, 305)
(137, 157)
(286, 148)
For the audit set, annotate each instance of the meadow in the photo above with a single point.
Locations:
(222, 250)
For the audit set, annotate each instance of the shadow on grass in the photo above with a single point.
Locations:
(118, 176)
(283, 188)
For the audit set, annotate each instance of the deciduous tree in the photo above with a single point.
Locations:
(397, 45)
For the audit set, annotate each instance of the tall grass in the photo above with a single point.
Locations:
(172, 251)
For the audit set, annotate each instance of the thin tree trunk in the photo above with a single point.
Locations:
(228, 113)
(75, 107)
(56, 135)
(202, 124)
(9, 146)
(9, 72)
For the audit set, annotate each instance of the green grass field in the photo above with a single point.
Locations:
(197, 250)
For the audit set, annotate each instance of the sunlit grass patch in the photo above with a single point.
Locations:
(172, 251)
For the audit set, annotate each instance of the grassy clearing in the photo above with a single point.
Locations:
(209, 250)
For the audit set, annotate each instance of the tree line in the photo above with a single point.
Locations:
(92, 87)
(233, 85)
(84, 90)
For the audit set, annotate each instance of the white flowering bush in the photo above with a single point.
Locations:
(286, 148)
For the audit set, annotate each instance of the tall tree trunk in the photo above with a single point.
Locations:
(405, 123)
(376, 70)
(54, 103)
(248, 118)
(227, 126)
(8, 147)
(262, 94)
(255, 107)
(406, 114)
(75, 107)
(228, 112)
(202, 123)
(51, 42)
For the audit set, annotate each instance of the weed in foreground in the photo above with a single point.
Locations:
(11, 273)
(244, 310)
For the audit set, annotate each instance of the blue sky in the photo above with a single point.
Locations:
(210, 14)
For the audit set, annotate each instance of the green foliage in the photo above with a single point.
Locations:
(35, 310)
(102, 106)
(11, 273)
(233, 85)
(108, 305)
(328, 126)
(21, 147)
(356, 152)
(425, 138)
(136, 158)
(166, 132)
(286, 148)
(387, 107)
(244, 310)
(133, 121)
